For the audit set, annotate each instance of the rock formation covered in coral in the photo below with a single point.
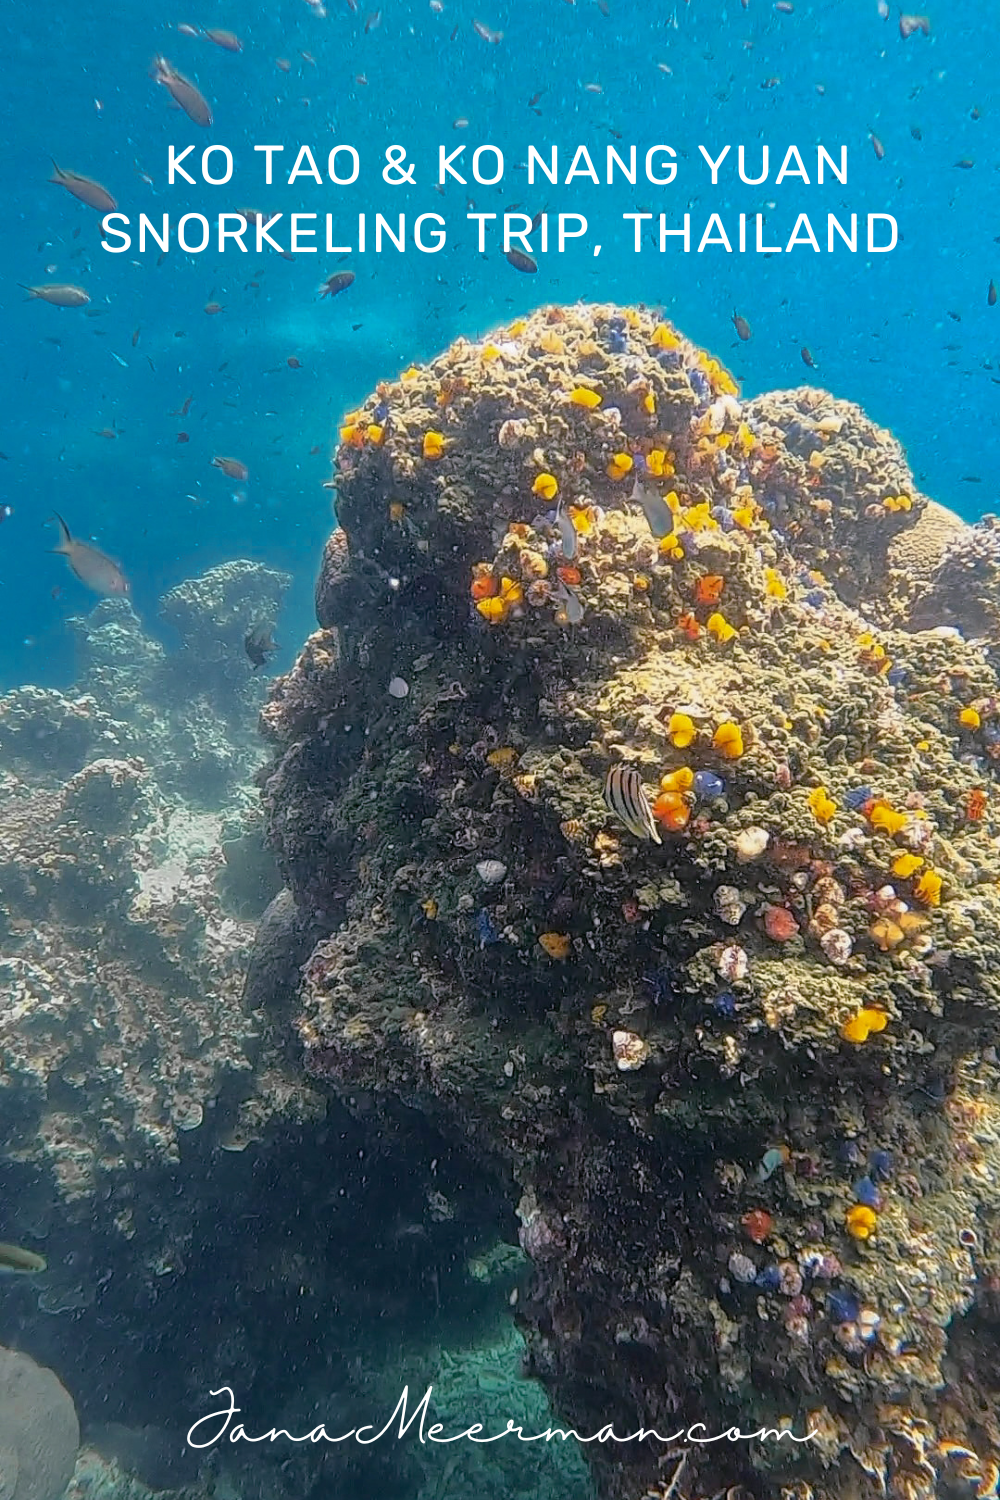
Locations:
(725, 1020)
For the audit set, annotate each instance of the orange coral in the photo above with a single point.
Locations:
(708, 588)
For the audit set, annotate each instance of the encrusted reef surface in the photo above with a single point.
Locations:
(132, 873)
(739, 1059)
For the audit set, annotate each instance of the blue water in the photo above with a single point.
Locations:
(881, 328)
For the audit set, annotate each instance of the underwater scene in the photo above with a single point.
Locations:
(500, 751)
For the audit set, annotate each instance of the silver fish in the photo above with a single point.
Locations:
(571, 609)
(656, 510)
(567, 533)
(624, 795)
(17, 1261)
(94, 568)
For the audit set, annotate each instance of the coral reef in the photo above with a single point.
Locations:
(39, 1432)
(728, 1016)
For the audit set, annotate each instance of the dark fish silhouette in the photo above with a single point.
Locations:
(259, 644)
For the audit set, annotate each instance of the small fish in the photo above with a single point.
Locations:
(232, 468)
(916, 132)
(535, 98)
(659, 516)
(183, 92)
(135, 337)
(85, 189)
(908, 24)
(743, 329)
(58, 293)
(807, 358)
(183, 437)
(966, 163)
(991, 295)
(338, 282)
(93, 567)
(624, 795)
(212, 308)
(373, 21)
(259, 644)
(520, 261)
(571, 609)
(19, 1262)
(877, 146)
(227, 40)
(293, 363)
(482, 30)
(883, 10)
(567, 533)
(6, 511)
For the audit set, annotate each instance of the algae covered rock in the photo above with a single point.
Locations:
(728, 1017)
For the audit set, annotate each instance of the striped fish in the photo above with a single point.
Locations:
(624, 795)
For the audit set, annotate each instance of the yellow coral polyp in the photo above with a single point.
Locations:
(728, 739)
(861, 1221)
(681, 780)
(490, 353)
(555, 944)
(410, 374)
(969, 718)
(664, 337)
(658, 463)
(551, 343)
(720, 627)
(897, 503)
(745, 438)
(433, 444)
(745, 516)
(905, 865)
(884, 816)
(353, 435)
(503, 758)
(670, 547)
(581, 518)
(517, 327)
(620, 465)
(821, 804)
(863, 1024)
(545, 485)
(494, 611)
(774, 584)
(649, 404)
(681, 731)
(375, 433)
(581, 395)
(699, 517)
(928, 888)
